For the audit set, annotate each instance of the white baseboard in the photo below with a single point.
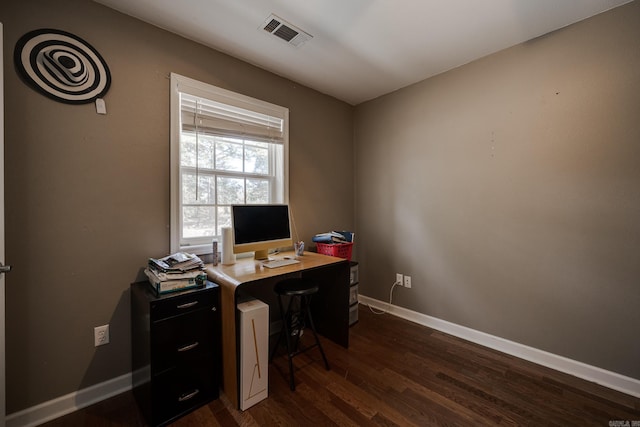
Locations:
(591, 373)
(71, 402)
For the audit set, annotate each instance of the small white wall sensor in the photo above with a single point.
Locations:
(101, 107)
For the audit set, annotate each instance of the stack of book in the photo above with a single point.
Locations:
(175, 272)
(334, 237)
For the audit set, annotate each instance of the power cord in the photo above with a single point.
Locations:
(396, 283)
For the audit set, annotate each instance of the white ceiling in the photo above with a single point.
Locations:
(362, 49)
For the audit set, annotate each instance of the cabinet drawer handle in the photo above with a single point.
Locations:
(189, 347)
(188, 304)
(186, 397)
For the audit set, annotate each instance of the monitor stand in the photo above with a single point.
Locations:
(262, 254)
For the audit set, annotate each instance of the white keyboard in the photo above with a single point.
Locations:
(275, 263)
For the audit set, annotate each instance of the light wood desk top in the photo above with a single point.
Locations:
(248, 269)
(231, 278)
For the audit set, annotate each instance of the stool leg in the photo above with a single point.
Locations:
(287, 332)
(307, 310)
(284, 315)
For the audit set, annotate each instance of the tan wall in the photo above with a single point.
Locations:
(509, 189)
(87, 196)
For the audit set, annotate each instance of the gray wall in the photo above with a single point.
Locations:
(509, 189)
(87, 196)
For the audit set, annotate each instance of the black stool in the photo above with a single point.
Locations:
(294, 319)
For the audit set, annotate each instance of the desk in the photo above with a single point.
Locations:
(247, 278)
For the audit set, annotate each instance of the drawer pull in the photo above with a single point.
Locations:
(187, 305)
(189, 347)
(186, 397)
(214, 308)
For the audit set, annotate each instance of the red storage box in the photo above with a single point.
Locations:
(340, 250)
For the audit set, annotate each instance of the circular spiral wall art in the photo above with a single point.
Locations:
(62, 66)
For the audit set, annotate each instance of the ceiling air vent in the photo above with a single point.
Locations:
(285, 31)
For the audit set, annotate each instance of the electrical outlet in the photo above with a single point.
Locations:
(399, 279)
(101, 335)
(407, 281)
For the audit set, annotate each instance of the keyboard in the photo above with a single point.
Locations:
(275, 263)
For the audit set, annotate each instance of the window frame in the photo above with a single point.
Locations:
(181, 84)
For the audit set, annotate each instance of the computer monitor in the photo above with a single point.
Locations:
(259, 228)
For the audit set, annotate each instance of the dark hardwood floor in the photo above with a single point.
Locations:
(399, 373)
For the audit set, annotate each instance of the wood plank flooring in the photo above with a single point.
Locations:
(397, 373)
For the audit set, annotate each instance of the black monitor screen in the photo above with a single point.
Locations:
(258, 223)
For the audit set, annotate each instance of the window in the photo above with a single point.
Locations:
(226, 149)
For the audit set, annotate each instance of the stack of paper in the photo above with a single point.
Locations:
(334, 237)
(175, 272)
(178, 262)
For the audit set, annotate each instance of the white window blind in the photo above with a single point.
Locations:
(216, 118)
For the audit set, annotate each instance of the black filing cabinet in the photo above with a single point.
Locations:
(175, 350)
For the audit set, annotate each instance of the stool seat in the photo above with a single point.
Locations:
(296, 286)
(298, 291)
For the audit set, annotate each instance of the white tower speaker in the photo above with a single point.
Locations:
(228, 257)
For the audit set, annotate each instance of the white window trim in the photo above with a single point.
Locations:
(185, 84)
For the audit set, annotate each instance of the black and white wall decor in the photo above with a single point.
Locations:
(62, 66)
